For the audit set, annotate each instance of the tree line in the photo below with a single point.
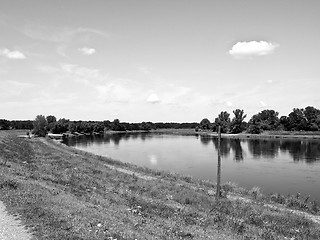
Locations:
(44, 124)
(16, 124)
(300, 119)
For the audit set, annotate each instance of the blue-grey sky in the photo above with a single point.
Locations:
(147, 60)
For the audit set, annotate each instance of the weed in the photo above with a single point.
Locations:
(9, 184)
(256, 193)
(278, 198)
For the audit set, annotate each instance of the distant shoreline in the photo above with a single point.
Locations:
(264, 135)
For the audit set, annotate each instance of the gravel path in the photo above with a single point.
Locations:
(11, 228)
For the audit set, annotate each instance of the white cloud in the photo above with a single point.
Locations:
(12, 54)
(252, 48)
(270, 81)
(61, 35)
(153, 98)
(87, 51)
(47, 69)
(64, 38)
(82, 72)
(229, 104)
(145, 70)
(116, 93)
(263, 104)
(14, 87)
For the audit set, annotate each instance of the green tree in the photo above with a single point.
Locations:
(117, 126)
(61, 126)
(223, 120)
(297, 120)
(40, 125)
(98, 127)
(4, 124)
(51, 120)
(205, 124)
(264, 120)
(312, 116)
(145, 126)
(237, 124)
(284, 123)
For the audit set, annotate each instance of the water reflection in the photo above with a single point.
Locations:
(236, 147)
(153, 159)
(264, 148)
(206, 140)
(106, 138)
(306, 150)
(226, 146)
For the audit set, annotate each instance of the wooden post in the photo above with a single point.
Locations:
(219, 165)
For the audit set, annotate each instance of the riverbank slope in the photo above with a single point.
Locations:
(63, 193)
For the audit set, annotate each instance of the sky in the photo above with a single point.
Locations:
(159, 61)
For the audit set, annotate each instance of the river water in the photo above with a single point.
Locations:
(275, 165)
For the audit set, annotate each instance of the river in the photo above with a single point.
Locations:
(275, 165)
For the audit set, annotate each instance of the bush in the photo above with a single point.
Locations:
(40, 125)
(256, 192)
(254, 129)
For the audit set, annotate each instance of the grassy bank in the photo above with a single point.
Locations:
(64, 193)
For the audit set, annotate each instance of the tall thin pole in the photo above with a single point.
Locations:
(219, 164)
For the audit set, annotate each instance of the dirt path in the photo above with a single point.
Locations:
(126, 171)
(11, 228)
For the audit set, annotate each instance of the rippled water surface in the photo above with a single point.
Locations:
(284, 166)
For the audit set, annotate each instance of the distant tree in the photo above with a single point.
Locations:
(4, 124)
(312, 116)
(72, 127)
(205, 124)
(40, 125)
(237, 124)
(61, 126)
(98, 127)
(284, 123)
(254, 129)
(51, 120)
(264, 120)
(223, 120)
(107, 124)
(269, 119)
(145, 126)
(21, 124)
(297, 120)
(117, 126)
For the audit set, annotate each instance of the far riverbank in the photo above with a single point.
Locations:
(264, 135)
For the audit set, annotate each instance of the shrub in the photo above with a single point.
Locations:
(256, 192)
(40, 125)
(254, 129)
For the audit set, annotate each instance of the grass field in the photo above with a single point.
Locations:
(64, 193)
